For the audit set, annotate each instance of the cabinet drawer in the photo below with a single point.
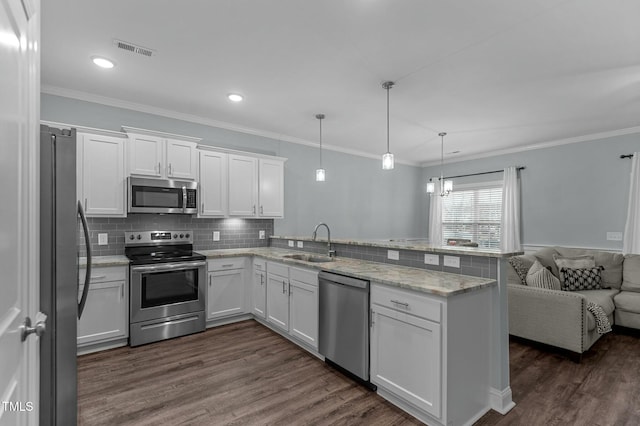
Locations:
(406, 301)
(278, 269)
(260, 265)
(228, 263)
(104, 274)
(306, 276)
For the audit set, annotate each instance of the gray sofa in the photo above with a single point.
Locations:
(560, 318)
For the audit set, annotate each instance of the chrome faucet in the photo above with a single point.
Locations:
(331, 253)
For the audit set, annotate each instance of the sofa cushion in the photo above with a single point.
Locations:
(545, 256)
(628, 301)
(603, 298)
(612, 263)
(521, 265)
(581, 279)
(541, 277)
(631, 273)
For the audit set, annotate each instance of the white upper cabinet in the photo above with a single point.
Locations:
(161, 155)
(271, 188)
(243, 185)
(101, 174)
(213, 184)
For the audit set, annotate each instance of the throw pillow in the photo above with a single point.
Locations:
(577, 262)
(520, 267)
(541, 277)
(581, 279)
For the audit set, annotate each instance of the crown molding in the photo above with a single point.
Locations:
(148, 109)
(84, 129)
(137, 131)
(550, 144)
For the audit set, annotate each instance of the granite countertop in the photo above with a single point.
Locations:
(99, 261)
(418, 244)
(421, 280)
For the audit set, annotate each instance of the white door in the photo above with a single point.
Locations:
(271, 188)
(304, 312)
(146, 156)
(278, 301)
(259, 293)
(213, 184)
(19, 133)
(243, 185)
(225, 296)
(181, 159)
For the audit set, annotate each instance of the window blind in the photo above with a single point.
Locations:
(473, 213)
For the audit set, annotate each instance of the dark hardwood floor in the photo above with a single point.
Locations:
(245, 374)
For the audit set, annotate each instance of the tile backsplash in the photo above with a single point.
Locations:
(234, 233)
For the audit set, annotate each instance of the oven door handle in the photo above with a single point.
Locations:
(168, 266)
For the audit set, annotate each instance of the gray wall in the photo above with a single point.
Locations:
(358, 200)
(572, 194)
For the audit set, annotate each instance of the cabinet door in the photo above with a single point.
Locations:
(213, 184)
(243, 185)
(225, 295)
(103, 175)
(271, 188)
(406, 358)
(278, 301)
(259, 293)
(304, 312)
(146, 156)
(181, 159)
(105, 314)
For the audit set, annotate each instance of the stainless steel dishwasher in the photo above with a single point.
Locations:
(344, 324)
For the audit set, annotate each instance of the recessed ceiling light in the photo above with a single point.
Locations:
(102, 62)
(234, 97)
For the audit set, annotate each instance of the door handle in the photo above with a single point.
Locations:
(38, 330)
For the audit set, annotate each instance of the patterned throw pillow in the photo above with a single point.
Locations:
(581, 279)
(541, 277)
(520, 267)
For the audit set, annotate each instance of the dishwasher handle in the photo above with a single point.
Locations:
(342, 279)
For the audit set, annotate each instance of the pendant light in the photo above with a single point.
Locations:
(387, 158)
(446, 186)
(320, 173)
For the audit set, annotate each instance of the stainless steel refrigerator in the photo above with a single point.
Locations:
(59, 296)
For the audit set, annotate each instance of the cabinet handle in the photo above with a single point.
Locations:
(372, 320)
(86, 203)
(261, 210)
(98, 277)
(159, 167)
(202, 209)
(254, 209)
(282, 286)
(406, 305)
(228, 265)
(169, 169)
(261, 279)
(122, 291)
(209, 280)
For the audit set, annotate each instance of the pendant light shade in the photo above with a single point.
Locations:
(387, 158)
(320, 172)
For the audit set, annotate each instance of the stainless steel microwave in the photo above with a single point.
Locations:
(162, 196)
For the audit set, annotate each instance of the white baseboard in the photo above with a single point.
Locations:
(500, 400)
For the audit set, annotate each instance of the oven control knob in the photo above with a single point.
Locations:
(131, 237)
(175, 236)
(139, 237)
(186, 235)
(181, 235)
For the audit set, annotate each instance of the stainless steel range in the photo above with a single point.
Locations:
(167, 280)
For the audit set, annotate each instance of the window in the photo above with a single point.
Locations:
(473, 212)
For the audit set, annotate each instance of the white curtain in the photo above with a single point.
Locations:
(510, 222)
(435, 218)
(631, 239)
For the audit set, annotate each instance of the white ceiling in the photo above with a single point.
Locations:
(493, 74)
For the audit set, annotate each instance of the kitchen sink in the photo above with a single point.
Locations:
(309, 258)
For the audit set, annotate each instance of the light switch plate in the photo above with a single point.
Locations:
(103, 239)
(300, 244)
(291, 243)
(216, 235)
(393, 254)
(431, 259)
(261, 234)
(451, 261)
(614, 236)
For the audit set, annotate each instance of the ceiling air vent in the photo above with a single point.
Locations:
(125, 45)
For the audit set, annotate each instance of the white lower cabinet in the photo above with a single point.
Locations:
(259, 289)
(278, 295)
(105, 317)
(292, 302)
(226, 295)
(430, 355)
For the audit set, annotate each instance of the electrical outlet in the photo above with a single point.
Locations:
(216, 235)
(261, 234)
(300, 244)
(451, 261)
(103, 239)
(614, 236)
(431, 259)
(393, 254)
(291, 243)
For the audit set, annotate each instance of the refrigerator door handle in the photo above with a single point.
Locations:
(87, 277)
